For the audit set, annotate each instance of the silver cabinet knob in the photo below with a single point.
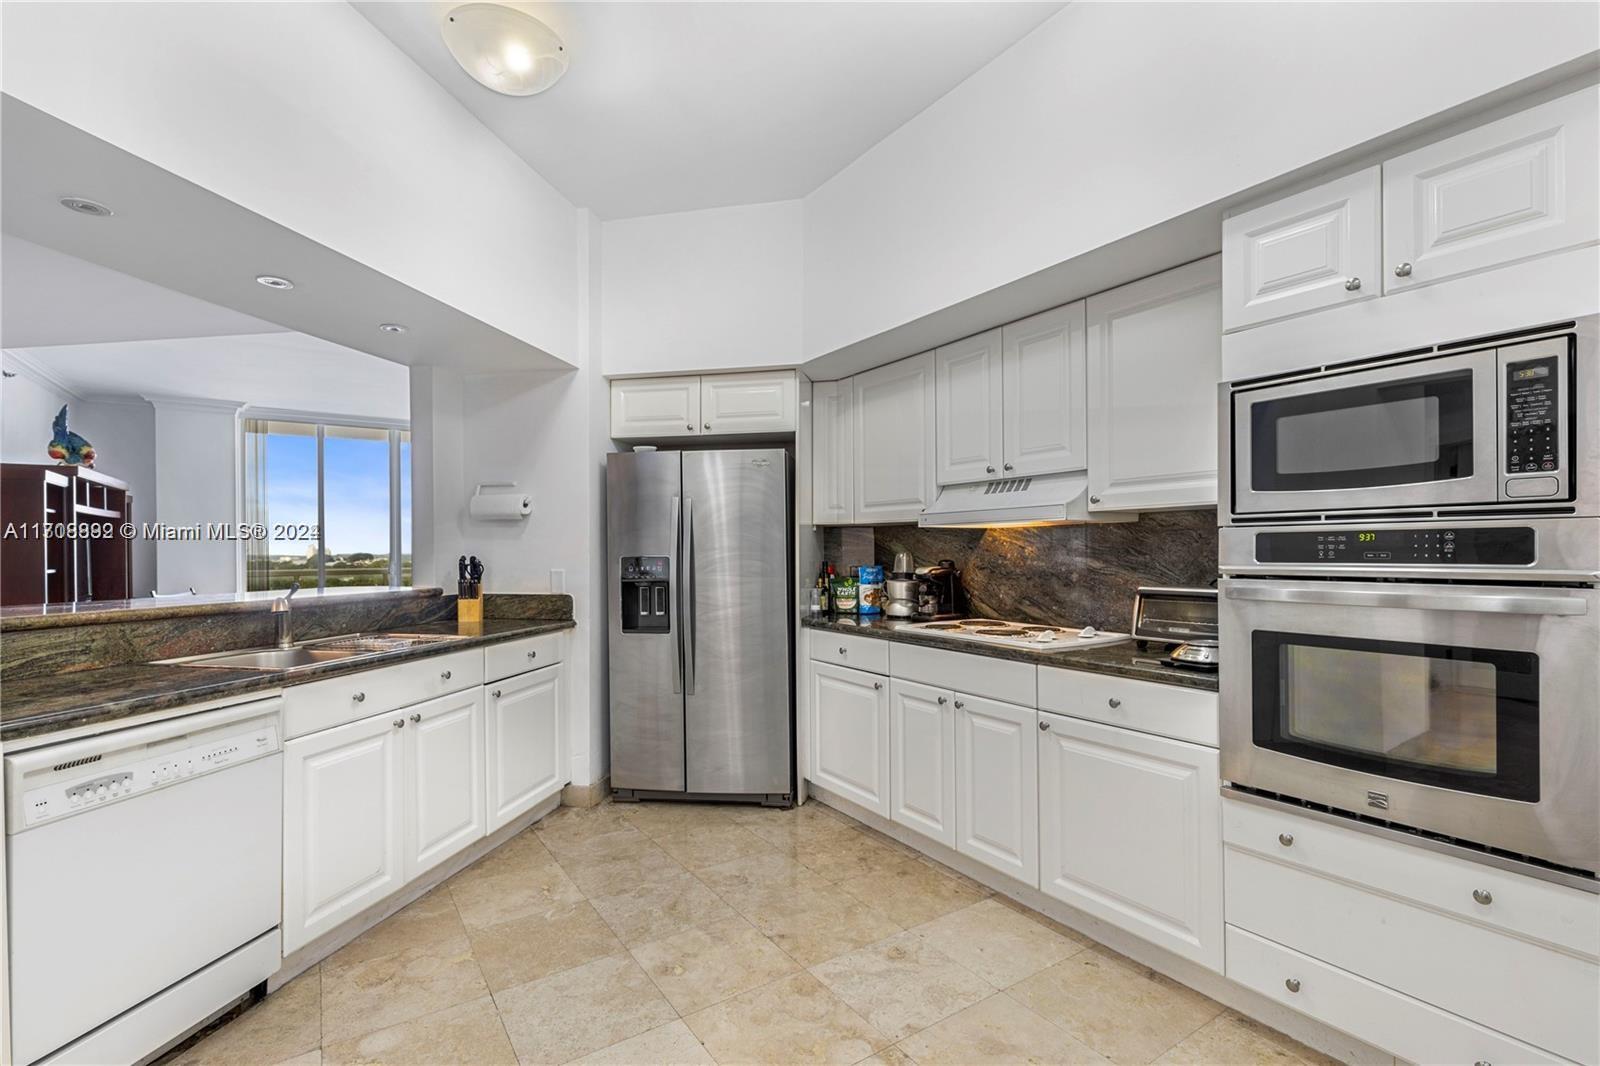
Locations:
(533, 655)
(1286, 839)
(360, 697)
(1008, 466)
(844, 651)
(399, 723)
(1094, 499)
(416, 718)
(1403, 270)
(1482, 1062)
(988, 470)
(690, 427)
(1352, 284)
(495, 693)
(959, 705)
(1113, 703)
(1483, 896)
(943, 701)
(1044, 727)
(877, 684)
(444, 675)
(1292, 984)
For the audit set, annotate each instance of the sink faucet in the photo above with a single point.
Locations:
(283, 618)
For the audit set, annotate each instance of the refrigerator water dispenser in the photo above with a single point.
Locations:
(646, 594)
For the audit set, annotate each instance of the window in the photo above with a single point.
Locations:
(335, 500)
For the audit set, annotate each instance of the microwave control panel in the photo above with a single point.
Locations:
(1533, 410)
(1500, 546)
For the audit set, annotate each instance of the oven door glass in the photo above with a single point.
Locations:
(1458, 718)
(1364, 436)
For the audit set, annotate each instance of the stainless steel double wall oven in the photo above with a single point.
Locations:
(1410, 611)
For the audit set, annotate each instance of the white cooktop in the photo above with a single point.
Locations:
(1021, 635)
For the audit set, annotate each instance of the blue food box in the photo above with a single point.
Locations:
(870, 597)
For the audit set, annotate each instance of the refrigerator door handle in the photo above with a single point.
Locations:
(687, 607)
(677, 552)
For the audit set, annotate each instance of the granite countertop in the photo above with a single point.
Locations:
(40, 705)
(1120, 660)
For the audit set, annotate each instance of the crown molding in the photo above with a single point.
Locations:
(123, 399)
(28, 368)
(192, 403)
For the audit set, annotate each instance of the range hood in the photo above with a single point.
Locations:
(1044, 500)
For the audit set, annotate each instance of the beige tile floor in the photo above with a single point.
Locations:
(665, 934)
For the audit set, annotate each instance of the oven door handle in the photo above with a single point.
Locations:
(1481, 603)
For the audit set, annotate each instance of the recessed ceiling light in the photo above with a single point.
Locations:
(392, 327)
(85, 207)
(506, 50)
(272, 281)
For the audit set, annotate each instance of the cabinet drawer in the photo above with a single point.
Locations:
(1398, 1024)
(858, 653)
(520, 656)
(1166, 710)
(1516, 986)
(1561, 917)
(322, 704)
(977, 675)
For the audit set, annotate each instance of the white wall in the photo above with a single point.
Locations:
(702, 290)
(306, 114)
(28, 406)
(1111, 118)
(197, 445)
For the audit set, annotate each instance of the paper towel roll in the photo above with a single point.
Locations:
(500, 506)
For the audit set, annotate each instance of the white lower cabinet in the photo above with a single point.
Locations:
(850, 734)
(922, 771)
(444, 772)
(524, 743)
(343, 824)
(997, 785)
(1130, 831)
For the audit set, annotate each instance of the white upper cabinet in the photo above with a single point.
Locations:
(1130, 831)
(748, 403)
(968, 411)
(997, 785)
(655, 407)
(894, 447)
(1521, 187)
(922, 768)
(1316, 249)
(1043, 360)
(832, 453)
(1155, 356)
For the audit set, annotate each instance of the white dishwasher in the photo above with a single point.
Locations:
(144, 877)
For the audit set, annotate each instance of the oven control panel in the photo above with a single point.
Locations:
(1533, 405)
(1499, 546)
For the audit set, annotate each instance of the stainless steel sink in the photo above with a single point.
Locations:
(313, 652)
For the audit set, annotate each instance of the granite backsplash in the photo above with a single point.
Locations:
(1078, 575)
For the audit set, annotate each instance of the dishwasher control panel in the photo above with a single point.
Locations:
(81, 775)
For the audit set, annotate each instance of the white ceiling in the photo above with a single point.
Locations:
(678, 106)
(55, 298)
(282, 370)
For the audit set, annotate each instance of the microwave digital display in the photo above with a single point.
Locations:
(1532, 415)
(1500, 546)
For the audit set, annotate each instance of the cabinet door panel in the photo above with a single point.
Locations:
(1045, 407)
(922, 765)
(850, 734)
(1130, 831)
(647, 408)
(894, 449)
(968, 442)
(1302, 253)
(997, 786)
(1523, 186)
(444, 744)
(523, 738)
(832, 453)
(344, 805)
(1155, 356)
(748, 403)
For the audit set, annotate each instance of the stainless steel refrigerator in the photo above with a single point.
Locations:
(698, 543)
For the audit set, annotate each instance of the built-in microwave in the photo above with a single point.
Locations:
(1507, 423)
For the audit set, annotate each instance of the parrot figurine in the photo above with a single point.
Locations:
(66, 446)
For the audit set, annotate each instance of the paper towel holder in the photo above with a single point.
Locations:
(499, 506)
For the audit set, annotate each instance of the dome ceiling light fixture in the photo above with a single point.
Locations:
(504, 49)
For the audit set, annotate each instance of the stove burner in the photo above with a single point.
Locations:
(943, 625)
(992, 632)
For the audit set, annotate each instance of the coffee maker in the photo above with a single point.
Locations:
(939, 593)
(900, 590)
